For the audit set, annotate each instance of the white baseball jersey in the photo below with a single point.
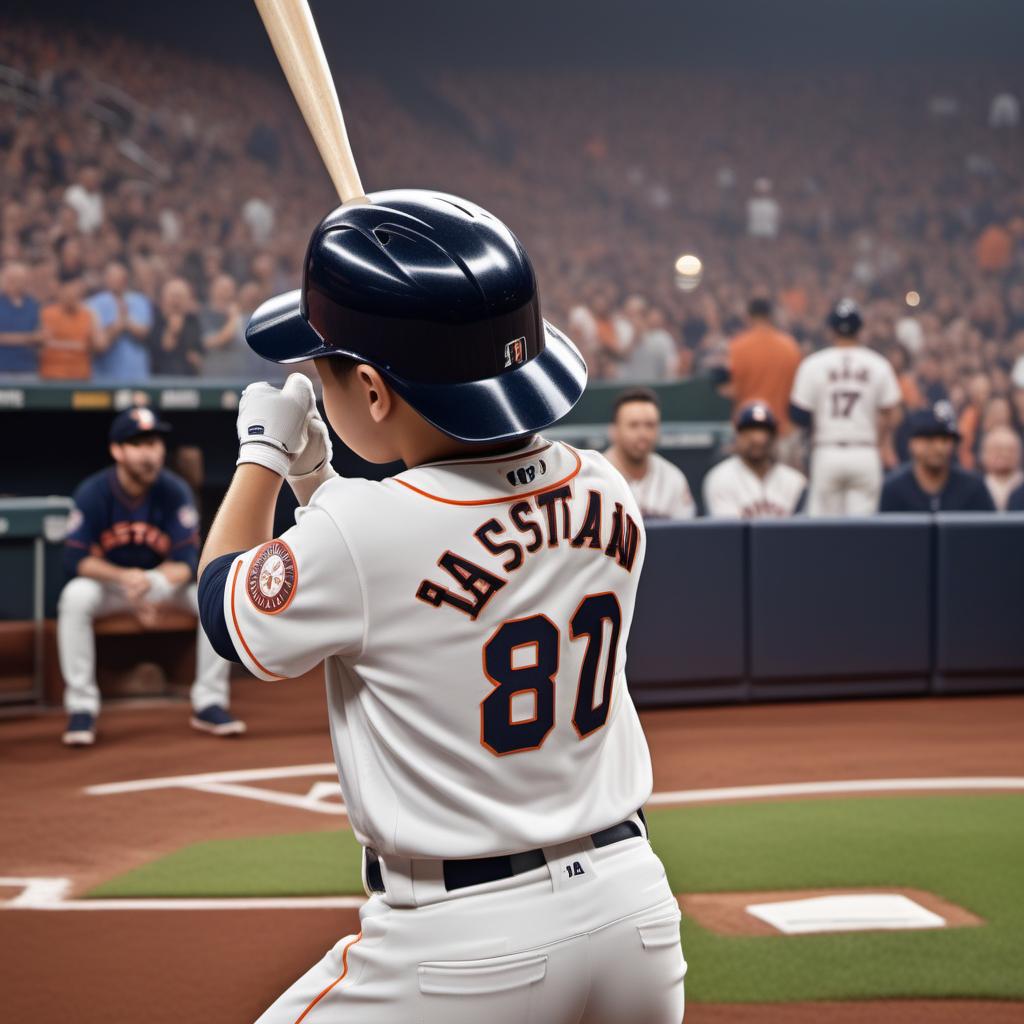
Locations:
(472, 616)
(662, 492)
(732, 490)
(845, 387)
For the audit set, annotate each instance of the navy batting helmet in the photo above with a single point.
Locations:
(441, 298)
(845, 318)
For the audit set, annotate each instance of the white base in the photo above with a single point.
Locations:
(851, 913)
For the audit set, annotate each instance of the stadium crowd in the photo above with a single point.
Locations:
(153, 198)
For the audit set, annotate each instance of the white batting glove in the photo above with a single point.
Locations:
(273, 424)
(313, 467)
(317, 454)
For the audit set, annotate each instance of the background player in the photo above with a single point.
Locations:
(848, 397)
(751, 484)
(660, 488)
(930, 482)
(471, 613)
(132, 545)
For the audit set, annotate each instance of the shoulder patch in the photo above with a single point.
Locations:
(74, 521)
(272, 578)
(188, 517)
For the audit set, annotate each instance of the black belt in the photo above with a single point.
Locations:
(460, 874)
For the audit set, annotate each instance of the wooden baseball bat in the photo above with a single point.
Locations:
(292, 31)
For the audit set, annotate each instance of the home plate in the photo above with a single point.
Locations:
(812, 911)
(855, 912)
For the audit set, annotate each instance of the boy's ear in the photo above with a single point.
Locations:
(379, 399)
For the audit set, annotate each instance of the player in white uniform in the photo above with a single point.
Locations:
(659, 487)
(472, 615)
(849, 397)
(750, 484)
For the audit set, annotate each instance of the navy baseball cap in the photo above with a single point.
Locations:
(756, 414)
(135, 422)
(939, 421)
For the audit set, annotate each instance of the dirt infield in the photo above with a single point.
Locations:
(225, 966)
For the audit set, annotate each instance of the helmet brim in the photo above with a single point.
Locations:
(510, 405)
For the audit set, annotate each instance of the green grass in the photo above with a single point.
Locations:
(969, 849)
(303, 864)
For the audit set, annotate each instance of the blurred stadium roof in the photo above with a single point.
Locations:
(401, 33)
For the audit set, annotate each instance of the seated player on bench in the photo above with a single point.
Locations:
(132, 545)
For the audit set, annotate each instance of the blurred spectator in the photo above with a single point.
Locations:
(86, 199)
(762, 364)
(752, 484)
(979, 390)
(994, 249)
(126, 318)
(608, 352)
(223, 329)
(258, 215)
(71, 335)
(1004, 111)
(763, 211)
(649, 351)
(930, 382)
(20, 333)
(176, 343)
(931, 483)
(660, 488)
(1001, 462)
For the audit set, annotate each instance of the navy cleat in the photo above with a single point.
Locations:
(217, 721)
(81, 730)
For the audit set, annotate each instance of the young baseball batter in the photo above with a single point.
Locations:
(472, 615)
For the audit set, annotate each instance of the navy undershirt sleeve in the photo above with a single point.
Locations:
(212, 585)
(800, 416)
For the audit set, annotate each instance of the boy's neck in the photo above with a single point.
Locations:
(424, 450)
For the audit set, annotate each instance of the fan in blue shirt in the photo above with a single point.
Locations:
(20, 332)
(125, 318)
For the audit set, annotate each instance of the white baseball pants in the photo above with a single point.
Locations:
(81, 601)
(554, 945)
(844, 481)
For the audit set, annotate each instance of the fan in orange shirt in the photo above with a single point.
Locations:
(762, 364)
(71, 335)
(979, 391)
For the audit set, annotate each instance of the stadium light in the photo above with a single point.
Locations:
(689, 266)
(689, 270)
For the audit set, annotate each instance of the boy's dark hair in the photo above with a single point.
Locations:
(759, 306)
(339, 366)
